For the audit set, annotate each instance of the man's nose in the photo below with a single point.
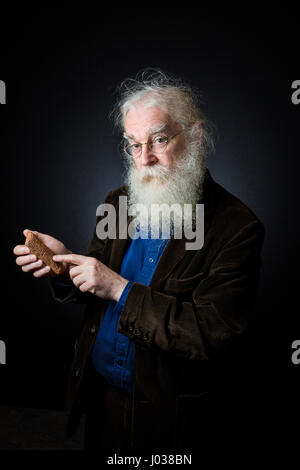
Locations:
(148, 158)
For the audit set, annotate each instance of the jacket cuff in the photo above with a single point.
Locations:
(62, 291)
(130, 322)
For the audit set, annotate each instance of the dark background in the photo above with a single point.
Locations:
(59, 158)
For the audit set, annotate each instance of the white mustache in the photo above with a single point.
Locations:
(156, 171)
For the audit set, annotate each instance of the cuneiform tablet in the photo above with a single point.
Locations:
(42, 252)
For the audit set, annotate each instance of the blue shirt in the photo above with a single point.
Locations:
(113, 352)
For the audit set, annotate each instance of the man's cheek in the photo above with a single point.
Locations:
(137, 164)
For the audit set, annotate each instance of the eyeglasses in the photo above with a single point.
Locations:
(157, 144)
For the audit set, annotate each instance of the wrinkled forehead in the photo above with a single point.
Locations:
(141, 121)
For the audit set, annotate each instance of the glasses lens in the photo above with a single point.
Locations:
(133, 150)
(158, 144)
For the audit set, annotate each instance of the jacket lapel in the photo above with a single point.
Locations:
(173, 253)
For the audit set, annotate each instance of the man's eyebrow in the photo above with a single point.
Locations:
(156, 129)
(150, 131)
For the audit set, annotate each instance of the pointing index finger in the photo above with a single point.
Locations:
(71, 258)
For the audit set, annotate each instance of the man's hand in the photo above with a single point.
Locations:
(29, 262)
(90, 275)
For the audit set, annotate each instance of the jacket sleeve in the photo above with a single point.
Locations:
(219, 309)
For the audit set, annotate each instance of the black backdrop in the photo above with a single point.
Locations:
(59, 158)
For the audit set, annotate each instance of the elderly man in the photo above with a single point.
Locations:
(162, 322)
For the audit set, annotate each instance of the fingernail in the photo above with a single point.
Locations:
(54, 258)
(26, 249)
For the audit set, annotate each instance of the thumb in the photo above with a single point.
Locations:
(40, 235)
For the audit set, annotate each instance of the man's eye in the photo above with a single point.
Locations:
(160, 139)
(135, 146)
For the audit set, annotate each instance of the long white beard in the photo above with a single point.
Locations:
(157, 184)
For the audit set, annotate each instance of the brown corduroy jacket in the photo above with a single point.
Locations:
(186, 325)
